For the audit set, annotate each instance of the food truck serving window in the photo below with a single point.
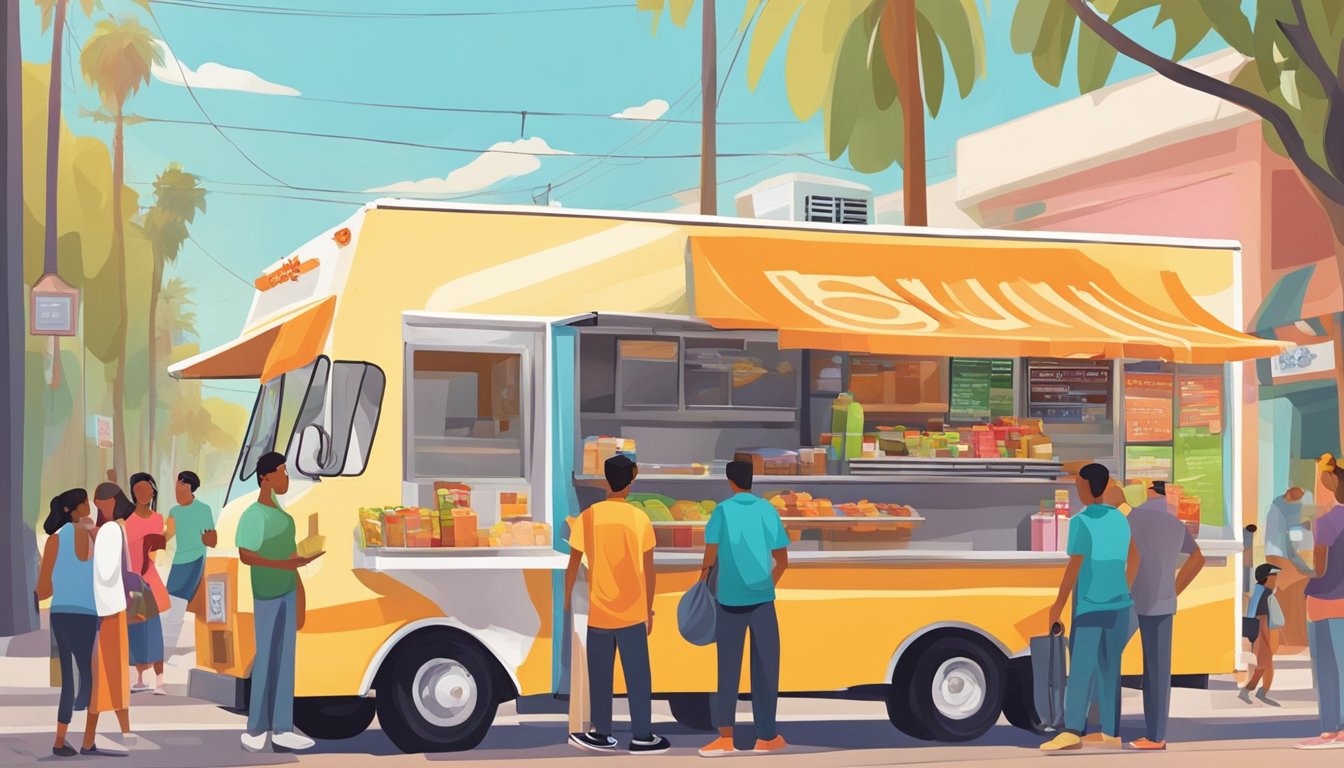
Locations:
(466, 414)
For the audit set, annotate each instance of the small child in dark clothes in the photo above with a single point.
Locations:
(1260, 625)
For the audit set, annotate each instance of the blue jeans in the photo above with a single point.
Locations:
(271, 706)
(1098, 643)
(730, 634)
(75, 635)
(633, 643)
(1326, 640)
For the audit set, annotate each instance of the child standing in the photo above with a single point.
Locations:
(1260, 625)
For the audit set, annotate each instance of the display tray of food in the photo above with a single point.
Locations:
(453, 526)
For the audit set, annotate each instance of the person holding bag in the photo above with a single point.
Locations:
(144, 534)
(66, 576)
(114, 592)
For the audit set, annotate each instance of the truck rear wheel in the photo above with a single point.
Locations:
(436, 693)
(692, 710)
(333, 717)
(947, 688)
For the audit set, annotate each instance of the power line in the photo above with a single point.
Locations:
(212, 5)
(221, 264)
(521, 113)
(465, 150)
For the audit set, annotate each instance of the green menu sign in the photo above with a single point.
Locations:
(1001, 388)
(981, 389)
(1199, 471)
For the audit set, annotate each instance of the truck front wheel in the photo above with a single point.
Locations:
(436, 694)
(333, 717)
(947, 688)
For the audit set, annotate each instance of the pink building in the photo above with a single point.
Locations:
(1149, 157)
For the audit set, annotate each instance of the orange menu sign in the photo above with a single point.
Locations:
(1202, 402)
(1148, 405)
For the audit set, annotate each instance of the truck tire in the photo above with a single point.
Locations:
(948, 688)
(692, 710)
(333, 717)
(436, 693)
(1019, 702)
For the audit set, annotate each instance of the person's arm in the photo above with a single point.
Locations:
(49, 550)
(170, 528)
(1320, 559)
(1193, 564)
(300, 603)
(781, 564)
(107, 556)
(1066, 586)
(1132, 565)
(711, 557)
(650, 580)
(294, 563)
(572, 577)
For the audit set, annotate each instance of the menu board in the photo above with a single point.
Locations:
(1202, 402)
(1148, 462)
(1148, 405)
(1069, 392)
(970, 389)
(1199, 470)
(982, 389)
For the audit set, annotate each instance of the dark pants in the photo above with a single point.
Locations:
(633, 643)
(1155, 634)
(1098, 643)
(730, 634)
(75, 634)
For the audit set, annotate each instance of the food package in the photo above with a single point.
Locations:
(522, 533)
(464, 527)
(482, 537)
(698, 536)
(681, 537)
(542, 534)
(663, 537)
(458, 495)
(413, 521)
(396, 529)
(446, 528)
(371, 528)
(769, 461)
(591, 464)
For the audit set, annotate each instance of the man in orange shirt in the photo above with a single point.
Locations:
(617, 541)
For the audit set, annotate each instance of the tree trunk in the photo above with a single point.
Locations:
(709, 80)
(53, 138)
(119, 262)
(18, 614)
(914, 191)
(152, 397)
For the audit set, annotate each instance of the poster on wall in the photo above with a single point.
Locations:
(1001, 388)
(1148, 462)
(1202, 402)
(1199, 470)
(1148, 407)
(971, 380)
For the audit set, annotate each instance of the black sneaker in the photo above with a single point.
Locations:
(654, 746)
(96, 752)
(594, 742)
(65, 750)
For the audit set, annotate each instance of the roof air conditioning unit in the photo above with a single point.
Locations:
(804, 197)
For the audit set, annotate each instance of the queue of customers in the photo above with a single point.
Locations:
(108, 600)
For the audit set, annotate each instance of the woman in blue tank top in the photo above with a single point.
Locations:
(67, 578)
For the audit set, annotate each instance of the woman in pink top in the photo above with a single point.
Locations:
(144, 535)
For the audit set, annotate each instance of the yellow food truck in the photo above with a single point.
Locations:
(446, 380)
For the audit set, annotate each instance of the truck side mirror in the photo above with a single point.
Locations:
(314, 451)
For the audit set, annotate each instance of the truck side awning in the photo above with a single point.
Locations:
(272, 350)
(972, 300)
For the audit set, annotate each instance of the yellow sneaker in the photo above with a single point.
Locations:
(1100, 739)
(1064, 742)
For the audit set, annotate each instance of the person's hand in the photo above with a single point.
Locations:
(650, 622)
(210, 538)
(1054, 618)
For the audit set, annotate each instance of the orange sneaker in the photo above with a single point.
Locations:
(718, 748)
(776, 744)
(1099, 739)
(1145, 744)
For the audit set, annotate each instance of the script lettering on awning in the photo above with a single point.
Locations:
(288, 271)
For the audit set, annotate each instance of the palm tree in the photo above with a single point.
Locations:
(117, 60)
(177, 197)
(175, 322)
(868, 65)
(53, 18)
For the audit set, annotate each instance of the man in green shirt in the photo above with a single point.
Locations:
(267, 544)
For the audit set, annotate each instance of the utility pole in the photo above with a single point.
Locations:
(18, 613)
(709, 97)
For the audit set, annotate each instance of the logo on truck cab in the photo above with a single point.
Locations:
(288, 271)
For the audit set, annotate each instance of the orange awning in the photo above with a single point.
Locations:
(977, 301)
(274, 349)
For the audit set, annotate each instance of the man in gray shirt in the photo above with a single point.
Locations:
(1160, 539)
(1283, 519)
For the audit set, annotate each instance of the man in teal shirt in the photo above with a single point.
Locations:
(267, 544)
(193, 525)
(1102, 567)
(747, 539)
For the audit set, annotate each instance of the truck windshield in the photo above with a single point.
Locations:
(283, 406)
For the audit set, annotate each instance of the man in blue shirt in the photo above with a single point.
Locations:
(747, 539)
(1102, 565)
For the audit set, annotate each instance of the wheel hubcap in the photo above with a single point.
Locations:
(959, 688)
(445, 692)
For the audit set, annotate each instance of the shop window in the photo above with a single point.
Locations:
(732, 373)
(647, 374)
(597, 373)
(466, 415)
(901, 388)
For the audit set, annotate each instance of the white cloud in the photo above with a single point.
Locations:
(214, 76)
(651, 110)
(504, 160)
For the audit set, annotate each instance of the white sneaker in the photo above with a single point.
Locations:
(292, 741)
(254, 743)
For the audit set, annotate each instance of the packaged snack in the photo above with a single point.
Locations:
(396, 529)
(464, 527)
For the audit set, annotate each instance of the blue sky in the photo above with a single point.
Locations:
(594, 61)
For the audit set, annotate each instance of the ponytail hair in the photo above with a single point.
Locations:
(61, 507)
(124, 506)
